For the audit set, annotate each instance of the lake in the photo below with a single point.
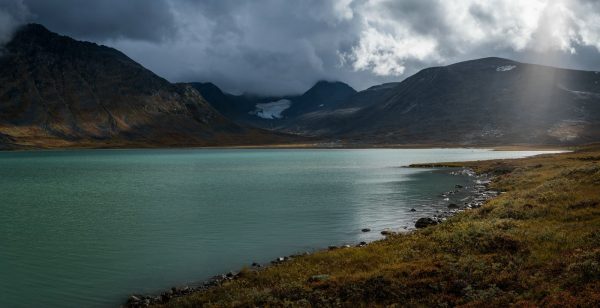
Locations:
(87, 228)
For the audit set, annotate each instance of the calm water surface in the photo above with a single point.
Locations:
(87, 228)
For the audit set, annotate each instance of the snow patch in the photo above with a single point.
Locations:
(505, 68)
(272, 110)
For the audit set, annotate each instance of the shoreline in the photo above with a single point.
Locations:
(304, 146)
(478, 195)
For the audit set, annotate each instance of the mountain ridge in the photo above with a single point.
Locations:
(498, 100)
(488, 101)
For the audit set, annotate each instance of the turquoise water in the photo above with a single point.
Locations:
(88, 228)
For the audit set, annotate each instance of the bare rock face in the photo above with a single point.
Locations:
(56, 91)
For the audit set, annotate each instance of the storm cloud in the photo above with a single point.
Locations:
(282, 47)
(12, 14)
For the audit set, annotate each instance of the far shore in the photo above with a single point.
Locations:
(516, 147)
(316, 145)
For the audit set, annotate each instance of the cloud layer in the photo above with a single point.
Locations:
(278, 46)
(12, 14)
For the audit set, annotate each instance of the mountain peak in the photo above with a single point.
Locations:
(325, 87)
(493, 59)
(32, 30)
(35, 37)
(483, 63)
(32, 40)
(324, 94)
(329, 84)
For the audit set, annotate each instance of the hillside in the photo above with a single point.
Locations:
(59, 92)
(489, 101)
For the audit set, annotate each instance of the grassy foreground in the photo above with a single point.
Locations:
(538, 244)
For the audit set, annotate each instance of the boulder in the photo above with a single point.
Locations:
(425, 222)
(366, 230)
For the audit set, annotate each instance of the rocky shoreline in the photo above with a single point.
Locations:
(478, 194)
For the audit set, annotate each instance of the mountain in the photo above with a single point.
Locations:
(324, 94)
(487, 101)
(275, 112)
(56, 91)
(331, 120)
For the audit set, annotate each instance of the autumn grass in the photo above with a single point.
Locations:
(538, 244)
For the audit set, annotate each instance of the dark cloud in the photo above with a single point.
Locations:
(273, 47)
(12, 14)
(101, 19)
(280, 47)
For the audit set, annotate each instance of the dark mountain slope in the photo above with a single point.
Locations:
(330, 120)
(324, 94)
(490, 100)
(485, 101)
(56, 91)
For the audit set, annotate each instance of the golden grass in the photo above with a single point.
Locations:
(538, 244)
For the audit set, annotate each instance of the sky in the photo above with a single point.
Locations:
(276, 47)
